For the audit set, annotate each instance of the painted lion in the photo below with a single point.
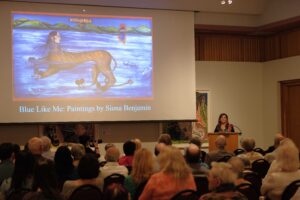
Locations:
(58, 60)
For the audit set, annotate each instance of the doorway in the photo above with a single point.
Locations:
(290, 109)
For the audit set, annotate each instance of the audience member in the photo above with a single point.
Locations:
(158, 148)
(165, 138)
(138, 143)
(174, 176)
(238, 168)
(88, 171)
(108, 145)
(129, 149)
(46, 148)
(192, 157)
(197, 141)
(219, 153)
(221, 181)
(287, 171)
(45, 183)
(64, 165)
(271, 151)
(248, 145)
(142, 169)
(116, 191)
(22, 177)
(77, 151)
(35, 147)
(7, 161)
(112, 166)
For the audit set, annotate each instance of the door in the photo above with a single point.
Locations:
(290, 109)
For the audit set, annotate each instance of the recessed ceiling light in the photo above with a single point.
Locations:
(223, 2)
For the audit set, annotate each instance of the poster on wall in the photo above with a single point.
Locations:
(200, 127)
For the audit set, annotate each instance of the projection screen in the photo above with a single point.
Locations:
(66, 63)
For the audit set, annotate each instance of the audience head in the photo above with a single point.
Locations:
(16, 148)
(278, 138)
(158, 148)
(172, 162)
(35, 146)
(129, 148)
(63, 161)
(46, 143)
(220, 142)
(165, 138)
(24, 168)
(248, 144)
(138, 143)
(192, 154)
(88, 167)
(238, 165)
(84, 140)
(196, 141)
(220, 173)
(112, 154)
(108, 145)
(77, 151)
(116, 191)
(142, 165)
(287, 156)
(6, 151)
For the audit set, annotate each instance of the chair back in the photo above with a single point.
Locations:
(202, 155)
(201, 184)
(17, 194)
(238, 151)
(290, 190)
(186, 195)
(261, 167)
(139, 190)
(113, 178)
(248, 190)
(90, 192)
(224, 158)
(259, 150)
(254, 179)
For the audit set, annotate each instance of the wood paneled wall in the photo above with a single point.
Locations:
(246, 47)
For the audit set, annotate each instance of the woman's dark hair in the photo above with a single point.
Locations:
(63, 162)
(88, 167)
(46, 180)
(6, 150)
(221, 115)
(115, 191)
(129, 148)
(24, 168)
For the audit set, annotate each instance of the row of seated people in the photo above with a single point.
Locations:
(161, 177)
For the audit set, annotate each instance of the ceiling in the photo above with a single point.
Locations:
(248, 7)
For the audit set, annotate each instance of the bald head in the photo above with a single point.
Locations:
(46, 143)
(220, 142)
(112, 154)
(192, 154)
(35, 146)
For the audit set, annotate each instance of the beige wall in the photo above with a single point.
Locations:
(236, 89)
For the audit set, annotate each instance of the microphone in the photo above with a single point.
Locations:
(236, 127)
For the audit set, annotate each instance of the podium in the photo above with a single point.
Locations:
(232, 141)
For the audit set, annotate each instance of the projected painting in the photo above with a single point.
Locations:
(79, 56)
